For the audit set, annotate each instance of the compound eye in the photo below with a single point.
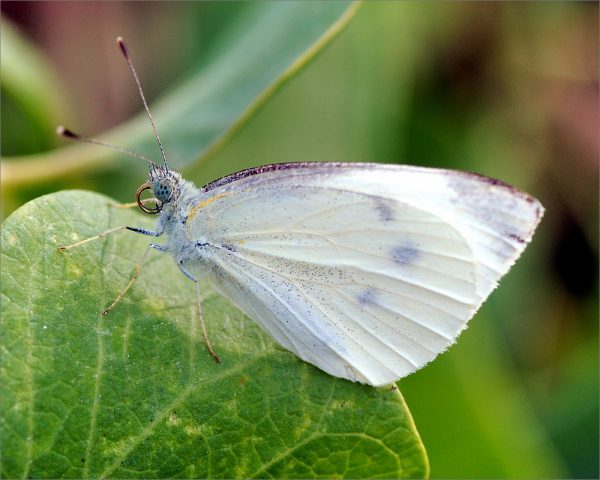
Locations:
(140, 202)
(163, 190)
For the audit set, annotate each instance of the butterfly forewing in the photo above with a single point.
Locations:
(496, 220)
(366, 276)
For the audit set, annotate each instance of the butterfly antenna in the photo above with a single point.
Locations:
(65, 132)
(125, 53)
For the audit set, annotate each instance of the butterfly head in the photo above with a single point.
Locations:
(165, 185)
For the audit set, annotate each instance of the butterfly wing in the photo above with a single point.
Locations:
(366, 271)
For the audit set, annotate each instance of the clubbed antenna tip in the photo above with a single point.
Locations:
(65, 132)
(121, 44)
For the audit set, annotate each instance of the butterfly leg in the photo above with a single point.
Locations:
(199, 311)
(110, 232)
(136, 274)
(138, 267)
(95, 237)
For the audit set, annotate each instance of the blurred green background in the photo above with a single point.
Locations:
(506, 89)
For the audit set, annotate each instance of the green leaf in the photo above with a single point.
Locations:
(135, 393)
(32, 100)
(268, 45)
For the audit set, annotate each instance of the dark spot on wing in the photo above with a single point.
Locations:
(516, 237)
(367, 297)
(229, 247)
(405, 254)
(384, 210)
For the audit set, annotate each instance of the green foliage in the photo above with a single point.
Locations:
(136, 394)
(258, 54)
(28, 112)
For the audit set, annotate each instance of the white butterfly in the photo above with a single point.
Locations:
(367, 271)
